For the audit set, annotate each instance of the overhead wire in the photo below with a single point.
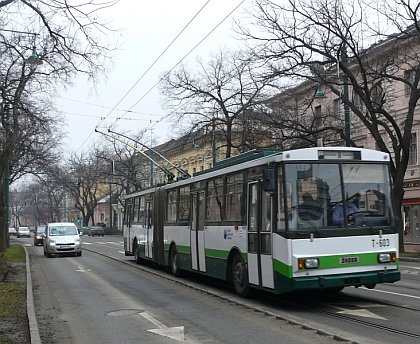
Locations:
(141, 77)
(180, 61)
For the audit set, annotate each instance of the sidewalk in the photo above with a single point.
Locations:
(412, 248)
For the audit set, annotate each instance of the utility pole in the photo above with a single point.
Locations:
(346, 98)
(110, 194)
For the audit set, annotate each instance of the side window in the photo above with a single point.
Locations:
(184, 204)
(234, 190)
(136, 210)
(149, 212)
(171, 206)
(215, 200)
(141, 210)
(127, 212)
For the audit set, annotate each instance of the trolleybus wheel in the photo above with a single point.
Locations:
(176, 271)
(239, 277)
(136, 254)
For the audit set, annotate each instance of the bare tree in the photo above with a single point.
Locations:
(303, 39)
(86, 180)
(68, 39)
(127, 168)
(217, 95)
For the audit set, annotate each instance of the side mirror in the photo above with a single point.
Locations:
(268, 180)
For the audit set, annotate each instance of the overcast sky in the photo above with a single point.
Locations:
(149, 27)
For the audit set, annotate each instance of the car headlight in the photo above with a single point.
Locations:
(384, 257)
(308, 263)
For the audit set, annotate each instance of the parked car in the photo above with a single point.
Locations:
(96, 231)
(60, 238)
(12, 231)
(23, 232)
(84, 230)
(39, 235)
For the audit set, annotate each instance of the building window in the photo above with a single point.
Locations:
(295, 112)
(412, 159)
(377, 93)
(303, 119)
(358, 102)
(338, 109)
(409, 76)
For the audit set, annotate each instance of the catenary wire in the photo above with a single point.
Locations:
(165, 117)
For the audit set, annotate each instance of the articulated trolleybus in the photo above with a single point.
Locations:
(280, 221)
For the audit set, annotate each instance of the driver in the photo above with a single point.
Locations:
(338, 213)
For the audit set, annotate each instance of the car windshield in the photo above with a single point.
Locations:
(62, 230)
(40, 230)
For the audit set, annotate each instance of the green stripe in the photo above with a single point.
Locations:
(180, 248)
(282, 268)
(213, 253)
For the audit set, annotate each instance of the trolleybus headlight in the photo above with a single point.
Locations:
(308, 263)
(384, 257)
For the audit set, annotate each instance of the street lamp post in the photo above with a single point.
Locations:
(33, 60)
(346, 98)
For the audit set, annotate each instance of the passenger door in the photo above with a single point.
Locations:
(197, 232)
(260, 263)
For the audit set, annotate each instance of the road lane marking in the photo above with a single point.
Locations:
(392, 293)
(361, 312)
(176, 333)
(80, 269)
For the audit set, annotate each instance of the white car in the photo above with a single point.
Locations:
(23, 232)
(62, 238)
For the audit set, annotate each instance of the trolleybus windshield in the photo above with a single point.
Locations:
(327, 195)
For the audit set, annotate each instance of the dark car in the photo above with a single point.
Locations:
(39, 235)
(96, 231)
(84, 230)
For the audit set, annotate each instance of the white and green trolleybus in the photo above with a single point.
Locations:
(315, 218)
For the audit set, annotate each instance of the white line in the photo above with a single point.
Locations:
(153, 320)
(392, 293)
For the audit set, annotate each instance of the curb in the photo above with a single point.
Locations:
(33, 323)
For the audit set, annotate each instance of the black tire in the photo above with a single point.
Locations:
(240, 277)
(45, 252)
(79, 253)
(136, 254)
(174, 261)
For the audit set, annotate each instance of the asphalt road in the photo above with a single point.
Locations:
(105, 297)
(95, 299)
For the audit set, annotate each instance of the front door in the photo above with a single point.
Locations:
(197, 232)
(260, 263)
